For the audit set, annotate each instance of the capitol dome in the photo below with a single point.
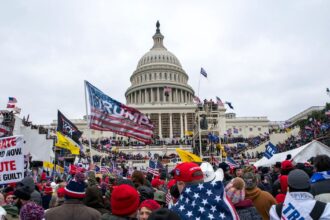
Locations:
(159, 78)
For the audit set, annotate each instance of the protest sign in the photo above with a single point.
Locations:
(11, 159)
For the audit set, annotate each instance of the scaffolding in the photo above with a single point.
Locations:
(209, 121)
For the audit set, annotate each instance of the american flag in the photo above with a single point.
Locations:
(197, 100)
(167, 89)
(203, 72)
(104, 170)
(12, 100)
(4, 130)
(327, 113)
(214, 160)
(153, 168)
(168, 197)
(231, 162)
(204, 201)
(219, 102)
(108, 114)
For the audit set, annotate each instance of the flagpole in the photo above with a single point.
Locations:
(199, 83)
(88, 123)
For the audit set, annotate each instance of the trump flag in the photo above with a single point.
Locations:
(108, 114)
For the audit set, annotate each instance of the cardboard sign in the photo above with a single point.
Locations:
(11, 159)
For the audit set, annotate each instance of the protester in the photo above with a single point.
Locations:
(187, 173)
(47, 195)
(235, 191)
(124, 203)
(146, 208)
(262, 200)
(9, 198)
(199, 199)
(321, 179)
(157, 183)
(73, 208)
(299, 203)
(31, 211)
(94, 199)
(160, 198)
(27, 185)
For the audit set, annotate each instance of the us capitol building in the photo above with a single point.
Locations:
(159, 88)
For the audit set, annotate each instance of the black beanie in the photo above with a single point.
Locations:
(164, 214)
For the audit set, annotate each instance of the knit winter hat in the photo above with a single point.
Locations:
(31, 211)
(150, 204)
(235, 190)
(124, 200)
(76, 187)
(298, 179)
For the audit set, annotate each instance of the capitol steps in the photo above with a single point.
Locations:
(274, 138)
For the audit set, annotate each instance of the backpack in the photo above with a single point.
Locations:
(315, 214)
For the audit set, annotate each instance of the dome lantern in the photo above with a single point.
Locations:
(158, 38)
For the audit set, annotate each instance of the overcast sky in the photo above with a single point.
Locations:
(269, 58)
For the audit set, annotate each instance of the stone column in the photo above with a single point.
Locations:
(158, 95)
(181, 125)
(176, 96)
(185, 122)
(181, 96)
(146, 98)
(170, 97)
(160, 125)
(171, 126)
(152, 95)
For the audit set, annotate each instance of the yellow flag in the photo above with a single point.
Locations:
(59, 169)
(187, 156)
(48, 165)
(188, 133)
(66, 143)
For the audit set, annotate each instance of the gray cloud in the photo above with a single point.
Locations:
(268, 58)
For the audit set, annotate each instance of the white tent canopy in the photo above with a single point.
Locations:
(299, 155)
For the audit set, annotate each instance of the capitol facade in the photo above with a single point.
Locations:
(159, 88)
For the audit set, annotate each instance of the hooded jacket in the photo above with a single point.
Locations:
(28, 184)
(321, 190)
(94, 199)
(262, 200)
(303, 202)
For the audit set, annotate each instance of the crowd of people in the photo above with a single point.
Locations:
(190, 191)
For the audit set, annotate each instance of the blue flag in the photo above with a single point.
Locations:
(203, 72)
(229, 105)
(271, 149)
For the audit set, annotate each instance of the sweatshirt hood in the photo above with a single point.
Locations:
(27, 183)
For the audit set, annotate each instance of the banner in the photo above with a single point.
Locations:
(187, 156)
(67, 143)
(108, 114)
(66, 127)
(271, 149)
(11, 159)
